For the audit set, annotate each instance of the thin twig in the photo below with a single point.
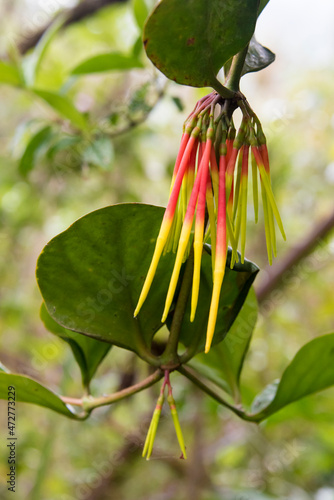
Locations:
(276, 273)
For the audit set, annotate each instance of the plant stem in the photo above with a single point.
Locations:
(223, 91)
(170, 354)
(235, 73)
(89, 403)
(191, 376)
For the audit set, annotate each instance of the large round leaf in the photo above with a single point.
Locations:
(190, 40)
(91, 275)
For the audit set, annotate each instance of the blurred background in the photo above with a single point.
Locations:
(129, 157)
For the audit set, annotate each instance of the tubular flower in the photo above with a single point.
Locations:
(152, 430)
(208, 197)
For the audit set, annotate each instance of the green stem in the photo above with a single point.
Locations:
(235, 73)
(170, 357)
(191, 376)
(223, 91)
(89, 403)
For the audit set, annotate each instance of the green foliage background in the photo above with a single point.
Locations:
(289, 456)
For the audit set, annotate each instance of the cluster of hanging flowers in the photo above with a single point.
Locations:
(208, 197)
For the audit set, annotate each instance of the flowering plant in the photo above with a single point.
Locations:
(112, 279)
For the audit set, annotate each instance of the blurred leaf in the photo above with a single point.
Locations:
(258, 57)
(64, 106)
(35, 143)
(28, 390)
(223, 364)
(139, 100)
(137, 47)
(237, 282)
(88, 352)
(31, 63)
(140, 12)
(9, 74)
(111, 61)
(100, 153)
(61, 144)
(311, 370)
(178, 103)
(179, 36)
(91, 275)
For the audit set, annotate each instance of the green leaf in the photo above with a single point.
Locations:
(111, 61)
(178, 103)
(10, 74)
(32, 62)
(236, 285)
(258, 57)
(91, 276)
(263, 399)
(62, 143)
(28, 390)
(88, 352)
(223, 363)
(310, 371)
(190, 41)
(137, 47)
(140, 12)
(63, 106)
(100, 152)
(36, 142)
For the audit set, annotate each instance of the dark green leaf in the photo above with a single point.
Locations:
(32, 62)
(258, 57)
(91, 275)
(236, 285)
(100, 152)
(88, 352)
(140, 12)
(311, 370)
(35, 143)
(111, 61)
(9, 74)
(190, 41)
(28, 390)
(64, 106)
(223, 364)
(178, 103)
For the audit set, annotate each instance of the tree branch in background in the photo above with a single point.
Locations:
(276, 273)
(83, 9)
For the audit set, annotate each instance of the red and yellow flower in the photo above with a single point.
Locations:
(208, 198)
